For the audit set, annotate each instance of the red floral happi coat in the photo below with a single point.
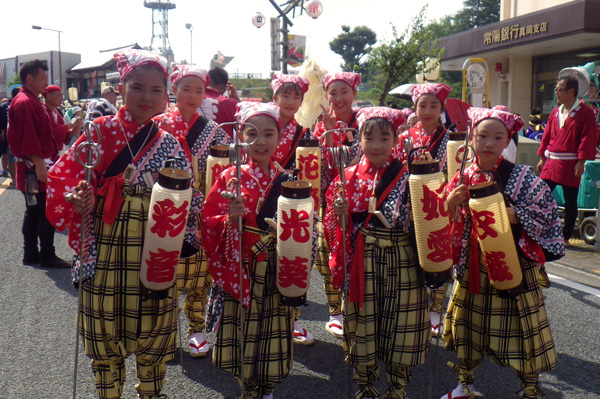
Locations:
(361, 180)
(219, 235)
(535, 208)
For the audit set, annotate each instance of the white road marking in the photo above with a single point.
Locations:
(576, 286)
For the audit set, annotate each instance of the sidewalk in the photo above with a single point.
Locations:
(581, 264)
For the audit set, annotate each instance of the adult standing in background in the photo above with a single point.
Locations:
(105, 106)
(569, 140)
(8, 160)
(31, 140)
(216, 106)
(53, 97)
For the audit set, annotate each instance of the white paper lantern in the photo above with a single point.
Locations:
(165, 231)
(258, 20)
(295, 209)
(314, 9)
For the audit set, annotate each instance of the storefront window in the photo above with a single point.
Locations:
(545, 72)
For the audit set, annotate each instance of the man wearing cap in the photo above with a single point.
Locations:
(569, 140)
(33, 141)
(105, 106)
(63, 132)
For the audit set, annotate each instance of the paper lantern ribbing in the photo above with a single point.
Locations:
(295, 210)
(495, 238)
(308, 161)
(432, 222)
(165, 231)
(455, 140)
(216, 162)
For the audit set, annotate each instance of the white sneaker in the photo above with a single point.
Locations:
(302, 336)
(437, 327)
(334, 326)
(269, 396)
(459, 393)
(198, 345)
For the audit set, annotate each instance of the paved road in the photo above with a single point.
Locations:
(37, 338)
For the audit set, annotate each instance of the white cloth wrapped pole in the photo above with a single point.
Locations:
(455, 140)
(432, 221)
(495, 238)
(295, 210)
(165, 231)
(216, 162)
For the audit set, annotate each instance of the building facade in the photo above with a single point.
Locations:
(528, 47)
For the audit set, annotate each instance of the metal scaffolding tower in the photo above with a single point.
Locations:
(160, 26)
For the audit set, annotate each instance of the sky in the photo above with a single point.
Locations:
(218, 25)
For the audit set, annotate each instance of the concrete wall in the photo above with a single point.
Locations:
(9, 74)
(69, 60)
(515, 8)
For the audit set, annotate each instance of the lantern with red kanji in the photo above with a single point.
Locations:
(216, 162)
(308, 161)
(432, 222)
(165, 231)
(455, 140)
(314, 9)
(295, 209)
(495, 237)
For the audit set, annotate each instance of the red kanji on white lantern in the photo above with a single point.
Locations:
(314, 8)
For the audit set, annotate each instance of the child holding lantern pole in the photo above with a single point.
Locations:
(196, 135)
(485, 318)
(267, 324)
(386, 313)
(288, 94)
(340, 91)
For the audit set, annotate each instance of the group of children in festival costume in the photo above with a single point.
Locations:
(386, 311)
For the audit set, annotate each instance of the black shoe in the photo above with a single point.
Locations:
(31, 260)
(55, 263)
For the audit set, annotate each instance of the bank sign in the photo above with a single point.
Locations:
(513, 32)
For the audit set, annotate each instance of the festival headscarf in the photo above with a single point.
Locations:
(250, 109)
(50, 89)
(181, 71)
(279, 79)
(394, 116)
(129, 59)
(353, 79)
(440, 90)
(512, 122)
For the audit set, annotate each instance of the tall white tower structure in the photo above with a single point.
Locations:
(160, 26)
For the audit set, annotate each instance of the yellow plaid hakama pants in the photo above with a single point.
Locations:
(194, 279)
(393, 323)
(268, 328)
(116, 321)
(322, 265)
(512, 332)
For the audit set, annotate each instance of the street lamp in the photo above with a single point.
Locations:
(191, 29)
(59, 52)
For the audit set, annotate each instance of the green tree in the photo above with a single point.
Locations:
(476, 13)
(397, 61)
(352, 46)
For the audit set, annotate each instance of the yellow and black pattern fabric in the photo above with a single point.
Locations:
(194, 279)
(512, 332)
(116, 320)
(393, 324)
(268, 328)
(322, 265)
